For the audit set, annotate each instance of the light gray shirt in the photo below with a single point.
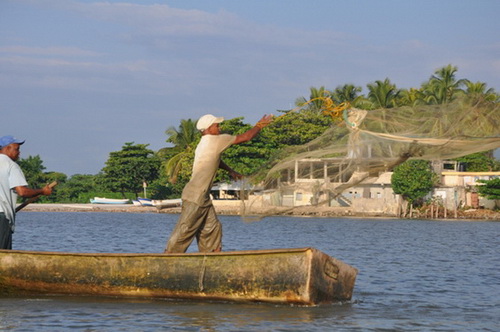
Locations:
(206, 163)
(11, 176)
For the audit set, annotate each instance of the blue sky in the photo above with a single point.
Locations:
(79, 79)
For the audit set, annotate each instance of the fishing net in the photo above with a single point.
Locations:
(362, 144)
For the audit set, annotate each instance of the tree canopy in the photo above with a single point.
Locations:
(33, 171)
(490, 188)
(128, 169)
(413, 179)
(480, 162)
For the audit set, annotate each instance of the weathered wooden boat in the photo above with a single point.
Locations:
(303, 276)
(103, 200)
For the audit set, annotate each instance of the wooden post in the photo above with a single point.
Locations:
(398, 208)
(455, 204)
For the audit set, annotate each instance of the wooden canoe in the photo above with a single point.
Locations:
(303, 276)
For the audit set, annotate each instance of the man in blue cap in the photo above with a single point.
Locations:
(12, 184)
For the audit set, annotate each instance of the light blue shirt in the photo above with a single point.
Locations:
(11, 176)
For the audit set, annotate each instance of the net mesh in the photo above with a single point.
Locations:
(362, 144)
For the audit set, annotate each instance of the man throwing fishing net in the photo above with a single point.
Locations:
(198, 218)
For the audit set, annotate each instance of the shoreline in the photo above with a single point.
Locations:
(222, 209)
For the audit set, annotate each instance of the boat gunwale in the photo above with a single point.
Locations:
(191, 254)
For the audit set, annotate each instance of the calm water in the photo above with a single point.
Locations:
(413, 275)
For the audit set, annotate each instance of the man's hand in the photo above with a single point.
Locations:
(265, 121)
(47, 190)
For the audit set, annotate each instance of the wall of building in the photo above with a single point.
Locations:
(450, 197)
(375, 206)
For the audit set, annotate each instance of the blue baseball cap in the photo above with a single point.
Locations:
(9, 139)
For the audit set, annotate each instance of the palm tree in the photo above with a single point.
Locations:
(347, 93)
(184, 140)
(316, 99)
(477, 91)
(184, 136)
(442, 87)
(410, 97)
(382, 94)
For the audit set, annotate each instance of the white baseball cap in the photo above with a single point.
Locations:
(207, 120)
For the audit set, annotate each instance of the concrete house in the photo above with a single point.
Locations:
(325, 182)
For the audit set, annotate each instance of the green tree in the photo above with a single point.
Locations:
(478, 92)
(245, 158)
(479, 162)
(185, 135)
(128, 169)
(161, 189)
(347, 93)
(79, 188)
(60, 179)
(183, 162)
(410, 97)
(296, 128)
(315, 101)
(184, 139)
(382, 94)
(55, 176)
(33, 171)
(443, 86)
(413, 179)
(490, 188)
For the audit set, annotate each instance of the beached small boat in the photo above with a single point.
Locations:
(303, 276)
(167, 203)
(145, 201)
(102, 200)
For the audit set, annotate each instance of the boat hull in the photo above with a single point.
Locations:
(102, 200)
(167, 203)
(304, 276)
(145, 201)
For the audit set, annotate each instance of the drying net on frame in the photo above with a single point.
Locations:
(362, 144)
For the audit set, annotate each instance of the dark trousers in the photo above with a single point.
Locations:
(5, 232)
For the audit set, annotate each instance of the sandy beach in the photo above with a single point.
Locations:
(223, 208)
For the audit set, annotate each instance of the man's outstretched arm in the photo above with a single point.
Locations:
(251, 133)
